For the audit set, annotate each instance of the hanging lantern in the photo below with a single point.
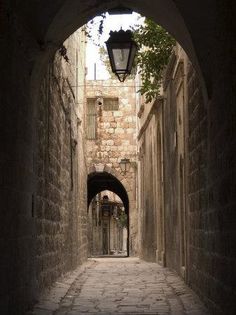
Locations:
(121, 51)
(124, 165)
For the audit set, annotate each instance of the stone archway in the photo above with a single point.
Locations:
(100, 181)
(105, 179)
(31, 33)
(103, 168)
(67, 17)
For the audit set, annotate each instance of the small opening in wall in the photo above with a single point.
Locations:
(111, 104)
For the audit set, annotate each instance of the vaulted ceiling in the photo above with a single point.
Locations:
(193, 23)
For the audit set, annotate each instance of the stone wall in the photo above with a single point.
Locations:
(116, 138)
(17, 183)
(199, 221)
(150, 179)
(175, 135)
(43, 211)
(29, 34)
(60, 200)
(170, 180)
(211, 202)
(183, 156)
(166, 145)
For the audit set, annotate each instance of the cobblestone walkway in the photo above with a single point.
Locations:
(121, 286)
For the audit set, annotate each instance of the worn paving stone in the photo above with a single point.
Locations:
(124, 286)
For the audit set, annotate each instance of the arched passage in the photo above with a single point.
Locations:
(180, 20)
(31, 34)
(100, 181)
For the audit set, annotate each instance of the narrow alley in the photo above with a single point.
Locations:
(121, 286)
(118, 157)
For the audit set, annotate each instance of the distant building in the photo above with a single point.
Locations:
(108, 225)
(111, 137)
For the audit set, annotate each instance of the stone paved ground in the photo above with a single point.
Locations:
(120, 286)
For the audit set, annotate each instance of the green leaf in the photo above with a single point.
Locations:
(155, 47)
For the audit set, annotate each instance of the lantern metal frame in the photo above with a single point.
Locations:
(125, 165)
(121, 40)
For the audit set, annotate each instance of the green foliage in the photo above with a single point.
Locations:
(98, 24)
(122, 220)
(155, 47)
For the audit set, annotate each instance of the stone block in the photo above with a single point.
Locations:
(118, 114)
(119, 131)
(111, 130)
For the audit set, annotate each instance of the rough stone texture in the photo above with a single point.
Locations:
(175, 135)
(162, 152)
(200, 229)
(212, 242)
(43, 226)
(30, 34)
(17, 180)
(199, 255)
(60, 200)
(211, 202)
(150, 187)
(122, 286)
(50, 300)
(116, 139)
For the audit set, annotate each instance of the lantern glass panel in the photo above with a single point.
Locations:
(123, 166)
(121, 57)
(133, 50)
(121, 50)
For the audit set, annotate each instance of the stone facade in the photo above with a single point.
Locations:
(60, 203)
(165, 144)
(31, 32)
(114, 137)
(176, 161)
(150, 179)
(178, 228)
